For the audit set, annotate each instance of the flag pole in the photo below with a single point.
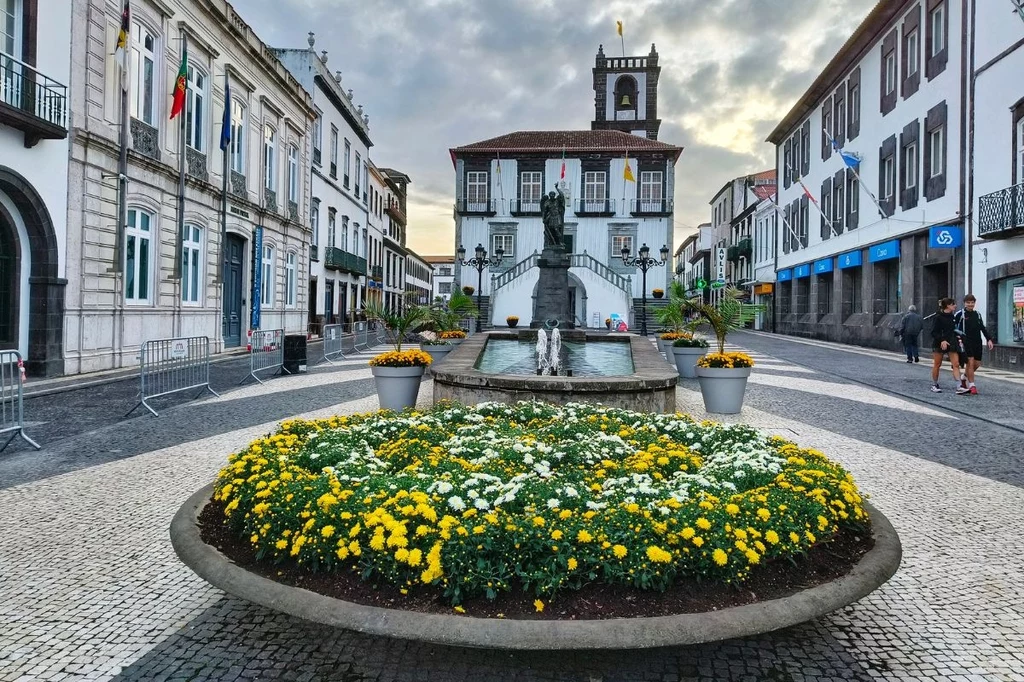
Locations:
(816, 204)
(178, 246)
(124, 54)
(225, 145)
(785, 222)
(839, 149)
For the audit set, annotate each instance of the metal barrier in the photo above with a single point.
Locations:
(168, 366)
(333, 334)
(12, 412)
(267, 353)
(360, 329)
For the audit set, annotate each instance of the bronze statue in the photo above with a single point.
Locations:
(552, 209)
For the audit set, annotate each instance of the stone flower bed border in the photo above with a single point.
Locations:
(873, 570)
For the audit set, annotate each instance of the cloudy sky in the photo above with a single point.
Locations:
(436, 74)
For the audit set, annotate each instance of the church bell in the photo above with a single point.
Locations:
(625, 101)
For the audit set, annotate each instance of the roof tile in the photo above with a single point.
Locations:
(567, 140)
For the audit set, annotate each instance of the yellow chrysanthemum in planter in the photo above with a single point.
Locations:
(404, 358)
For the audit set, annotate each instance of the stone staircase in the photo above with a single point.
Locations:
(653, 305)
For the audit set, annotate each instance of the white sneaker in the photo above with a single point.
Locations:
(936, 389)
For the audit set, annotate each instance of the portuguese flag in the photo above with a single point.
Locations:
(180, 83)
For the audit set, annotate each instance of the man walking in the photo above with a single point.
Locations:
(910, 331)
(944, 342)
(971, 326)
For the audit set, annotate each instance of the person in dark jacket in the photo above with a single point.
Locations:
(910, 332)
(970, 323)
(944, 341)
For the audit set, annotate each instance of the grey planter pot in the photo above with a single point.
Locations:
(397, 387)
(666, 349)
(438, 353)
(686, 360)
(722, 388)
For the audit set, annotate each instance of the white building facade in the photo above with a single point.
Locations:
(499, 183)
(894, 96)
(766, 223)
(995, 271)
(160, 279)
(418, 279)
(442, 277)
(34, 110)
(339, 213)
(394, 252)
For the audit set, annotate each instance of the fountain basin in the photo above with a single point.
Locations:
(651, 387)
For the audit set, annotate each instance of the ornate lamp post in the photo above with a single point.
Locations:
(645, 263)
(479, 261)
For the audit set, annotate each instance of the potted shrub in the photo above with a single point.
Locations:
(512, 320)
(453, 336)
(657, 293)
(468, 290)
(723, 376)
(436, 347)
(398, 373)
(686, 351)
(672, 318)
(665, 341)
(447, 317)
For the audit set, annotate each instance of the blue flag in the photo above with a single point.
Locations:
(225, 126)
(849, 159)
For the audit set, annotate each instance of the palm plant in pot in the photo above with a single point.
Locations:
(672, 318)
(687, 350)
(446, 319)
(723, 376)
(398, 373)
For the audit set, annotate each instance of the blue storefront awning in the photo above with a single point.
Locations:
(784, 275)
(823, 266)
(884, 251)
(850, 259)
(802, 271)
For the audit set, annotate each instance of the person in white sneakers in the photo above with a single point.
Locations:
(971, 327)
(944, 342)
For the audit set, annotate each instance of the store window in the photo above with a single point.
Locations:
(1011, 312)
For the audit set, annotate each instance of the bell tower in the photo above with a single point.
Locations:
(626, 94)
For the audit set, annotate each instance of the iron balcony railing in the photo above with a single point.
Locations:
(343, 261)
(650, 207)
(595, 207)
(314, 252)
(746, 247)
(467, 206)
(1001, 214)
(377, 272)
(32, 101)
(525, 207)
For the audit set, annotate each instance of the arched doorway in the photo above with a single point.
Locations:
(45, 351)
(9, 279)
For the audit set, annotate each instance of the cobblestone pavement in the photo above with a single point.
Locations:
(90, 587)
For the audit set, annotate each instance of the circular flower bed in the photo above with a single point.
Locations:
(536, 497)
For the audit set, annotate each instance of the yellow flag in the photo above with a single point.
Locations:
(627, 173)
(618, 27)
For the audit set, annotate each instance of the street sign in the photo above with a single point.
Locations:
(720, 263)
(718, 284)
(702, 284)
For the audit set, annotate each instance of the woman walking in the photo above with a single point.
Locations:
(944, 342)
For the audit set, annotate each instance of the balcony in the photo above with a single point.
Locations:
(343, 261)
(746, 247)
(732, 254)
(650, 207)
(1001, 214)
(595, 207)
(31, 102)
(377, 272)
(524, 207)
(482, 207)
(395, 212)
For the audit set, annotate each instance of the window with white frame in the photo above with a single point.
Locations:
(935, 144)
(619, 242)
(476, 190)
(505, 242)
(912, 52)
(293, 174)
(267, 283)
(595, 190)
(347, 159)
(191, 264)
(332, 229)
(890, 73)
(290, 279)
(334, 151)
(318, 136)
(358, 173)
(138, 257)
(910, 162)
(314, 222)
(11, 18)
(238, 138)
(344, 233)
(936, 22)
(854, 95)
(889, 176)
(530, 190)
(366, 181)
(195, 110)
(651, 190)
(269, 158)
(853, 197)
(355, 239)
(143, 75)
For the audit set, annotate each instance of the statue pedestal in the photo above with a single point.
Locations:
(552, 301)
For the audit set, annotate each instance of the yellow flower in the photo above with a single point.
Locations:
(740, 534)
(763, 514)
(732, 509)
(658, 555)
(327, 531)
(415, 557)
(459, 609)
(564, 514)
(688, 533)
(556, 535)
(573, 564)
(720, 557)
(822, 523)
(584, 536)
(698, 541)
(703, 523)
(342, 553)
(539, 605)
(772, 537)
(794, 538)
(619, 551)
(752, 556)
(538, 520)
(260, 508)
(810, 536)
(281, 544)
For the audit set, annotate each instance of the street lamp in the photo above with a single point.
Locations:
(645, 263)
(479, 261)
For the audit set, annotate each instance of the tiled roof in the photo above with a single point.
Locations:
(567, 140)
(439, 259)
(763, 192)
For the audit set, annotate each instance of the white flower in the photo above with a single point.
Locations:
(473, 494)
(456, 503)
(570, 491)
(443, 487)
(480, 503)
(553, 503)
